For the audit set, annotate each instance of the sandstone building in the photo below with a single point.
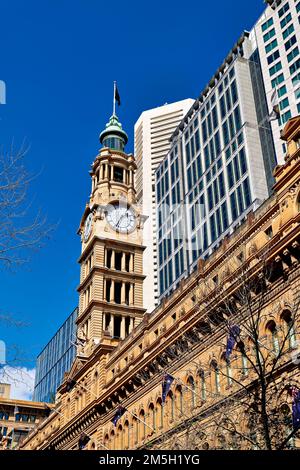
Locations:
(219, 397)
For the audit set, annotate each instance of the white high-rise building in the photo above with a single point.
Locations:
(276, 36)
(152, 134)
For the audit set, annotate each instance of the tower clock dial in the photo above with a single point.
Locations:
(121, 218)
(88, 226)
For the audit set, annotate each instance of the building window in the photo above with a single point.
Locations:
(271, 58)
(290, 43)
(276, 81)
(275, 69)
(118, 174)
(283, 10)
(295, 66)
(269, 35)
(272, 329)
(289, 328)
(285, 20)
(267, 25)
(284, 104)
(285, 117)
(269, 47)
(282, 91)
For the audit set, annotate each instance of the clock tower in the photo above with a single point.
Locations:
(111, 229)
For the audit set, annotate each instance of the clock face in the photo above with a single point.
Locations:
(121, 218)
(88, 227)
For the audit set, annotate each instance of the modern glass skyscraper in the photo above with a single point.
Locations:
(223, 153)
(276, 37)
(152, 134)
(55, 359)
(215, 172)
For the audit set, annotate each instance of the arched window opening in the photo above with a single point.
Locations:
(179, 400)
(216, 374)
(202, 384)
(171, 406)
(95, 386)
(191, 392)
(142, 425)
(160, 414)
(135, 425)
(152, 416)
(106, 441)
(227, 370)
(272, 329)
(120, 438)
(112, 440)
(126, 435)
(244, 365)
(289, 328)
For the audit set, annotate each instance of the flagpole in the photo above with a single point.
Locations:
(114, 100)
(186, 386)
(144, 422)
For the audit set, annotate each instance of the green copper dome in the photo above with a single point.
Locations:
(114, 136)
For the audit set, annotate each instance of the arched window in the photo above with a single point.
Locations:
(191, 392)
(245, 364)
(202, 384)
(68, 409)
(179, 400)
(142, 425)
(152, 416)
(216, 376)
(95, 386)
(112, 440)
(228, 370)
(120, 444)
(126, 432)
(106, 441)
(272, 329)
(171, 406)
(289, 328)
(135, 426)
(159, 414)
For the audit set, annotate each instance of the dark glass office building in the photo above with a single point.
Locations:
(55, 359)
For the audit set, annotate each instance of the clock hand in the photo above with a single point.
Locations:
(118, 223)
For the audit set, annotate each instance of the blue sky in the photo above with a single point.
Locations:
(59, 59)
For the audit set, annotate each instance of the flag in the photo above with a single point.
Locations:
(234, 332)
(166, 385)
(70, 385)
(83, 441)
(296, 408)
(119, 413)
(275, 113)
(117, 96)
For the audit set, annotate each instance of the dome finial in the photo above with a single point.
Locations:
(113, 136)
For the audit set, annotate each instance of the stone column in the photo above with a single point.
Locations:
(131, 263)
(112, 291)
(123, 293)
(113, 259)
(123, 328)
(131, 326)
(104, 288)
(131, 294)
(123, 261)
(105, 171)
(101, 172)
